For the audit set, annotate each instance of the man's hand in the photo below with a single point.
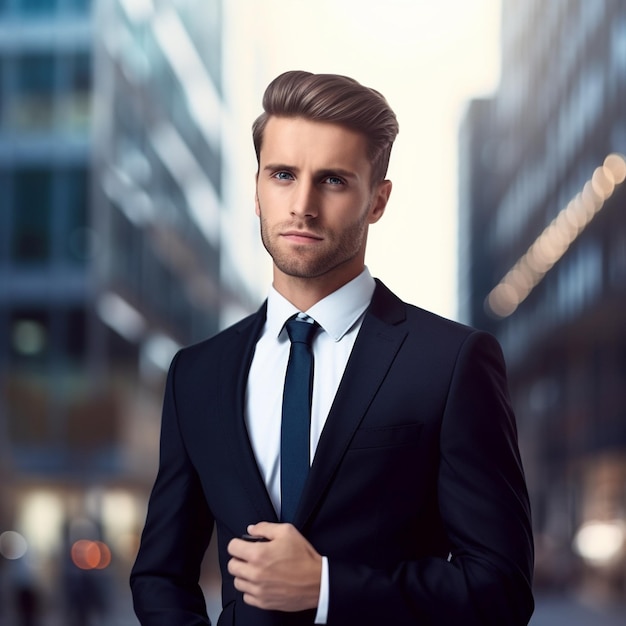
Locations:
(281, 574)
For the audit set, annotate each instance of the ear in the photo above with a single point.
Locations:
(380, 198)
(257, 209)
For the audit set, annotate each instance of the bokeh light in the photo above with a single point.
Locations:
(29, 337)
(599, 542)
(556, 238)
(88, 555)
(13, 546)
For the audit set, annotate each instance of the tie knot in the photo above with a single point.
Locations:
(301, 330)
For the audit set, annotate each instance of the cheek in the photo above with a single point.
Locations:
(354, 215)
(266, 201)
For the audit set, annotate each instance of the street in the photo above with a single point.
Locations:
(568, 611)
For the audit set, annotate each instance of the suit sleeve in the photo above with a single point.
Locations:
(484, 508)
(164, 579)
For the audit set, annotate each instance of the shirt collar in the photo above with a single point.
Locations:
(336, 313)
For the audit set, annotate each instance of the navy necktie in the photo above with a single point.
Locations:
(296, 416)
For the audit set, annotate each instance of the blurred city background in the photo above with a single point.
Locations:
(127, 230)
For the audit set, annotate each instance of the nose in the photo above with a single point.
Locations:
(305, 200)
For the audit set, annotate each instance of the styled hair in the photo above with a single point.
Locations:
(334, 99)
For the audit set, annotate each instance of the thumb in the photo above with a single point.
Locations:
(268, 530)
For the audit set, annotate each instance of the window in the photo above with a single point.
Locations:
(34, 105)
(75, 92)
(618, 45)
(26, 389)
(32, 215)
(78, 239)
(78, 6)
(36, 7)
(4, 87)
(76, 347)
(5, 215)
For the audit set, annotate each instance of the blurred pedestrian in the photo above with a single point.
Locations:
(26, 595)
(27, 602)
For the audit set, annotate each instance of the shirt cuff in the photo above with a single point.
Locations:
(321, 617)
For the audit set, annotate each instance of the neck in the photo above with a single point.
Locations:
(303, 293)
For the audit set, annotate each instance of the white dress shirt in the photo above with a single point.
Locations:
(340, 316)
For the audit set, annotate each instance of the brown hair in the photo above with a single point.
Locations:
(335, 99)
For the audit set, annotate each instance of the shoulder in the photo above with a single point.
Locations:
(210, 349)
(389, 308)
(427, 329)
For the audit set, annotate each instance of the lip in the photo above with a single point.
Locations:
(301, 236)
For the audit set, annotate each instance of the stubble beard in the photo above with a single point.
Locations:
(302, 261)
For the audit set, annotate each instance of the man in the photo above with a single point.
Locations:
(414, 510)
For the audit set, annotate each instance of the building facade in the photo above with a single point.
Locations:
(543, 266)
(111, 201)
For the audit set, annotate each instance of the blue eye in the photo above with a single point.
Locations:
(283, 176)
(334, 180)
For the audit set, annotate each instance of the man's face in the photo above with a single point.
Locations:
(315, 199)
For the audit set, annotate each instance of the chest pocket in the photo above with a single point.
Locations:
(386, 437)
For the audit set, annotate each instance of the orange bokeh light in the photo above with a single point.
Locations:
(556, 238)
(88, 554)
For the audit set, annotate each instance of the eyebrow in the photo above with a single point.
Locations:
(327, 171)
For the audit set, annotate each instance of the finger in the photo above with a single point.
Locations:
(269, 530)
(238, 569)
(231, 566)
(252, 600)
(249, 590)
(231, 548)
(242, 585)
(240, 549)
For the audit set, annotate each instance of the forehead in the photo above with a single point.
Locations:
(294, 140)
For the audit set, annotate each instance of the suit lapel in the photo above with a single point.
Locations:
(375, 348)
(235, 365)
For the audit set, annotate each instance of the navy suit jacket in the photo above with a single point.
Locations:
(416, 493)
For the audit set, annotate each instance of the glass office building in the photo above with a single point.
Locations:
(45, 239)
(111, 195)
(543, 266)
